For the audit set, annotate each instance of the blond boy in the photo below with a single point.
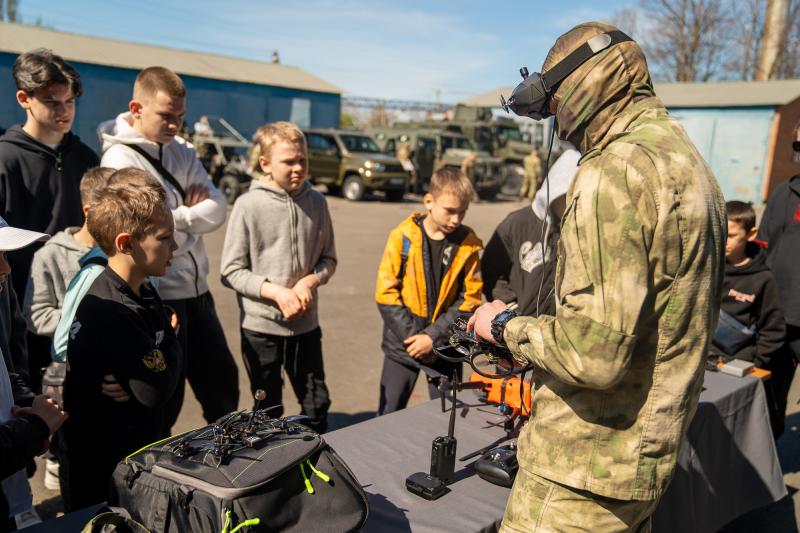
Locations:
(278, 249)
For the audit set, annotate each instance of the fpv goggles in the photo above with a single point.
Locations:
(531, 97)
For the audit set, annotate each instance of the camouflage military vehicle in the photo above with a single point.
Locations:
(433, 146)
(223, 153)
(351, 162)
(501, 137)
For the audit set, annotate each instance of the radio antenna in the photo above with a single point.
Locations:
(452, 427)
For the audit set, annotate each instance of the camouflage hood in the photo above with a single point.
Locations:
(597, 92)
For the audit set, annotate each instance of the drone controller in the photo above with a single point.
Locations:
(499, 465)
(486, 358)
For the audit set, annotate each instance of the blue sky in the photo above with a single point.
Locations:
(386, 49)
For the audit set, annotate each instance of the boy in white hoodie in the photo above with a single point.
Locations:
(145, 138)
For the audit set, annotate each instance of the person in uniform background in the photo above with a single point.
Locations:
(641, 260)
(533, 175)
(516, 267)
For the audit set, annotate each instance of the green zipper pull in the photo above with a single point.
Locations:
(227, 522)
(248, 522)
(309, 488)
(322, 475)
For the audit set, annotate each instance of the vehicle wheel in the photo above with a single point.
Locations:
(229, 187)
(353, 188)
(512, 179)
(487, 194)
(394, 196)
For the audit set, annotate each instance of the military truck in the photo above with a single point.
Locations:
(223, 153)
(351, 163)
(501, 137)
(433, 146)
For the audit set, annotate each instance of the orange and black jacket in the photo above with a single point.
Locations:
(405, 275)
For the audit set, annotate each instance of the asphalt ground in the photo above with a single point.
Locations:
(351, 329)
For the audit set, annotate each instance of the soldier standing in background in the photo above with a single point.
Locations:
(533, 175)
(619, 367)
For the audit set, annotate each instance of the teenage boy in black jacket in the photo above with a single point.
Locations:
(41, 164)
(750, 295)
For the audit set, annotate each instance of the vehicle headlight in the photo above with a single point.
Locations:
(377, 167)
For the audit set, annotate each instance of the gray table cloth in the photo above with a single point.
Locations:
(727, 466)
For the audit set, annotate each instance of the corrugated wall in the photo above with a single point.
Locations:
(107, 91)
(734, 142)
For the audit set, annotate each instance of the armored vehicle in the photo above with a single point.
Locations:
(433, 146)
(351, 162)
(223, 153)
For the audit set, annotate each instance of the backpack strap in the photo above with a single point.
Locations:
(403, 261)
(117, 518)
(159, 168)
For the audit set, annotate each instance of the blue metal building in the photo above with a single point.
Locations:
(743, 129)
(246, 93)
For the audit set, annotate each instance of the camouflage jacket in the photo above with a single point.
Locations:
(619, 368)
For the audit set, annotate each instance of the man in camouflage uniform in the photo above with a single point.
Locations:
(619, 368)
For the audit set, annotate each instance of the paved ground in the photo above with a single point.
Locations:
(351, 340)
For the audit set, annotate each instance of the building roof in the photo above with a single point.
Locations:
(18, 38)
(676, 95)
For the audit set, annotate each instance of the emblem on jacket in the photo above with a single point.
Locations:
(154, 360)
(74, 329)
(530, 256)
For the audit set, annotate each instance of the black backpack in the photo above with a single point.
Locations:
(260, 475)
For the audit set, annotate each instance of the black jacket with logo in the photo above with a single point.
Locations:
(39, 189)
(513, 266)
(750, 295)
(118, 332)
(780, 230)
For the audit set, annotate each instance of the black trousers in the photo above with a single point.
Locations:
(398, 380)
(301, 357)
(208, 363)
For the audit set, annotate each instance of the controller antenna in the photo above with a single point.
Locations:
(260, 395)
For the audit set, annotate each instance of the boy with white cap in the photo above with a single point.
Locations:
(26, 421)
(519, 262)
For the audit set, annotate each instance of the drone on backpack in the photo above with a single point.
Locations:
(237, 430)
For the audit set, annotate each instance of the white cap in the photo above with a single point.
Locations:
(556, 183)
(16, 238)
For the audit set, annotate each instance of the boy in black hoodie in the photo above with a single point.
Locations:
(750, 295)
(41, 164)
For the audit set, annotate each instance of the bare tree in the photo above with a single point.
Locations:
(789, 61)
(684, 42)
(773, 38)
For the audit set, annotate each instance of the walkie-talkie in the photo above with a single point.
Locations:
(443, 449)
(443, 462)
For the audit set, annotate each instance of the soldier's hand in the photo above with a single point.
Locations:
(481, 321)
(289, 303)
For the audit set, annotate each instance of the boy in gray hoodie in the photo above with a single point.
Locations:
(278, 249)
(57, 262)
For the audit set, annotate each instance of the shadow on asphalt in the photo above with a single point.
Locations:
(342, 420)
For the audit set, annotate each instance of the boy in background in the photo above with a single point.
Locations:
(278, 249)
(55, 264)
(121, 329)
(145, 137)
(41, 165)
(519, 262)
(750, 296)
(429, 274)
